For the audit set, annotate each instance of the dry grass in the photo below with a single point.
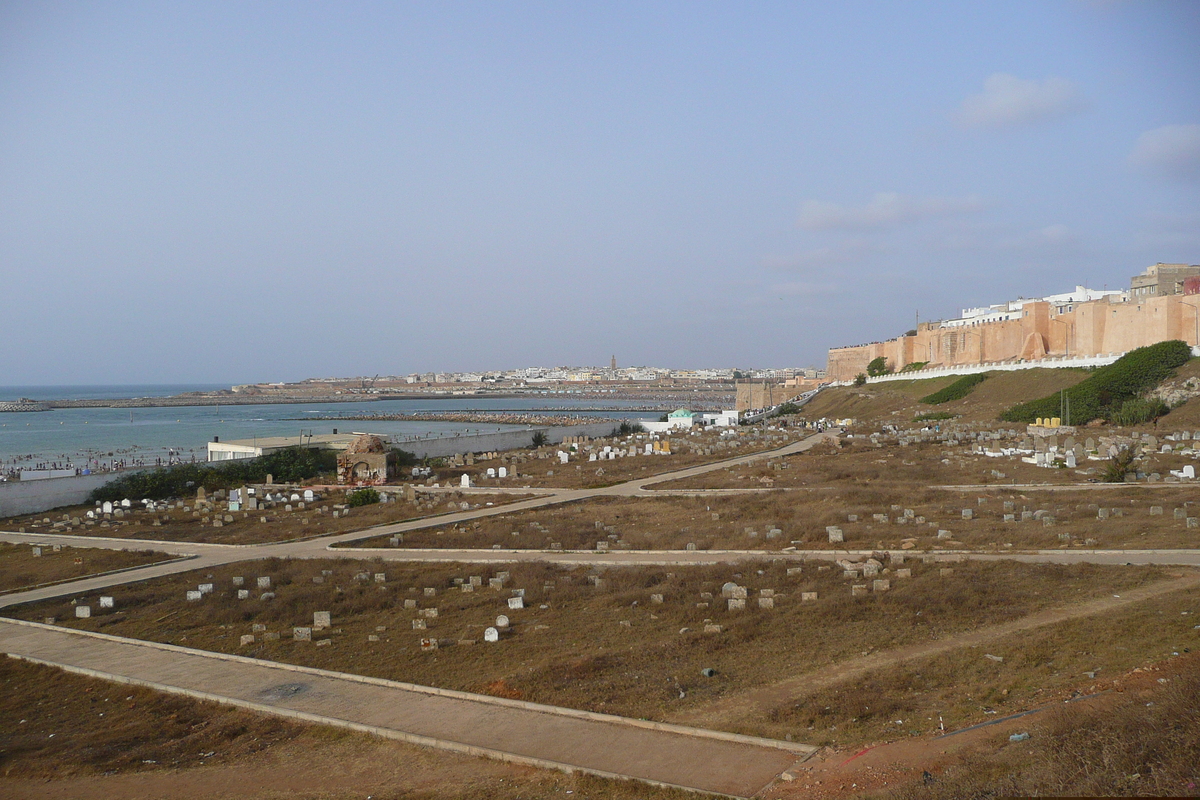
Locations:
(1039, 666)
(673, 522)
(541, 468)
(21, 569)
(192, 523)
(62, 727)
(1144, 742)
(898, 401)
(574, 651)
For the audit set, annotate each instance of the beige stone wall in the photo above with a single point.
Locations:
(1090, 329)
(760, 395)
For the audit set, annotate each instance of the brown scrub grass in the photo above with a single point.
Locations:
(1042, 666)
(575, 652)
(1141, 742)
(802, 515)
(899, 401)
(856, 461)
(580, 473)
(316, 519)
(61, 727)
(21, 569)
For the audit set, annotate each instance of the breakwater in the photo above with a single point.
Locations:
(472, 417)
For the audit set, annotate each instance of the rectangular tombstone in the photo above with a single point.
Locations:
(419, 625)
(247, 638)
(83, 612)
(516, 602)
(243, 594)
(808, 597)
(321, 620)
(205, 588)
(736, 603)
(904, 573)
(836, 536)
(381, 577)
(881, 585)
(410, 603)
(264, 583)
(858, 590)
(194, 595)
(239, 581)
(300, 634)
(766, 602)
(656, 599)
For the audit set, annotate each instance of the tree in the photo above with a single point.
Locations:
(539, 439)
(860, 379)
(878, 366)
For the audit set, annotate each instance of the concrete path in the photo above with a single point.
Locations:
(542, 736)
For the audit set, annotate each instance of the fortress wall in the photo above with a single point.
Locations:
(1090, 329)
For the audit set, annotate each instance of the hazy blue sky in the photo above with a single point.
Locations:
(256, 191)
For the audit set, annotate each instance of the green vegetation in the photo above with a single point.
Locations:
(787, 408)
(362, 497)
(932, 416)
(1104, 393)
(628, 427)
(878, 366)
(289, 465)
(539, 439)
(955, 391)
(1139, 410)
(860, 379)
(914, 366)
(1119, 465)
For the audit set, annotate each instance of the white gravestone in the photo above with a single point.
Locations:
(516, 602)
(491, 635)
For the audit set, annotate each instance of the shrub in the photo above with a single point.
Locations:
(787, 408)
(913, 366)
(860, 379)
(878, 366)
(1137, 411)
(1118, 466)
(628, 427)
(539, 439)
(362, 497)
(1105, 391)
(955, 391)
(290, 465)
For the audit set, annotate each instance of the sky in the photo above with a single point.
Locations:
(240, 192)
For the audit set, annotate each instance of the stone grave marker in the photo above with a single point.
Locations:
(264, 583)
(83, 612)
(194, 595)
(321, 620)
(243, 594)
(491, 635)
(502, 621)
(808, 597)
(516, 603)
(106, 602)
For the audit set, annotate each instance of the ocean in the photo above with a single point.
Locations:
(89, 437)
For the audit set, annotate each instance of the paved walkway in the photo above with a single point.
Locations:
(514, 731)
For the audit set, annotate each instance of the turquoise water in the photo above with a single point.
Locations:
(90, 437)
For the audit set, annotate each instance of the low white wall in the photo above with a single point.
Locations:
(1061, 362)
(33, 497)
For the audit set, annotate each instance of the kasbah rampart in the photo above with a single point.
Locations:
(1162, 303)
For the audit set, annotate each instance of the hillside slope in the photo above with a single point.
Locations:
(900, 400)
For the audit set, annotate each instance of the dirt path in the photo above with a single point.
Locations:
(764, 698)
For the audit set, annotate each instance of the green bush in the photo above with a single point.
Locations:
(786, 409)
(362, 497)
(1138, 411)
(913, 366)
(860, 379)
(627, 427)
(1105, 391)
(878, 366)
(290, 465)
(955, 391)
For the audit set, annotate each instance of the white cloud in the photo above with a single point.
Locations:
(1007, 100)
(884, 210)
(1173, 150)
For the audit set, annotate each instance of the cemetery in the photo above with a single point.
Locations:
(26, 566)
(273, 513)
(631, 641)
